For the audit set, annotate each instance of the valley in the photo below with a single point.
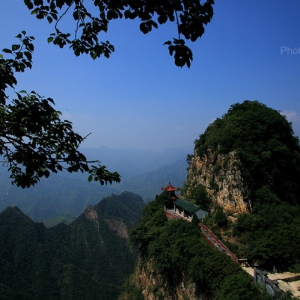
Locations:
(142, 172)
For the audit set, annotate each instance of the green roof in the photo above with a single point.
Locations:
(188, 206)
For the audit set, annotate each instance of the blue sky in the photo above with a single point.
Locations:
(139, 99)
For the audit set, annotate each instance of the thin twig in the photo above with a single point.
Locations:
(177, 22)
(63, 14)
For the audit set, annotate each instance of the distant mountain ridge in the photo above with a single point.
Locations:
(142, 172)
(131, 162)
(149, 184)
(88, 259)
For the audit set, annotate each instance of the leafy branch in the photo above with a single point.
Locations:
(190, 17)
(34, 141)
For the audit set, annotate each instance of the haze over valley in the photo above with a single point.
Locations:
(142, 172)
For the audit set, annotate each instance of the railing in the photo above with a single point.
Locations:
(208, 233)
(218, 242)
(169, 215)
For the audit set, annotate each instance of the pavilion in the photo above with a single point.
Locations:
(182, 208)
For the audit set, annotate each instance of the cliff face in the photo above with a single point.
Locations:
(221, 175)
(90, 213)
(118, 227)
(148, 283)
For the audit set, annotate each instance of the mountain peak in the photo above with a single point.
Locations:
(251, 147)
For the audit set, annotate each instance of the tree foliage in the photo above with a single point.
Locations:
(220, 217)
(200, 196)
(271, 232)
(34, 141)
(190, 17)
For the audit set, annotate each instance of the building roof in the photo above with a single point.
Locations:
(169, 188)
(188, 206)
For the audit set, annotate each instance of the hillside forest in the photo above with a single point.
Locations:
(174, 254)
(269, 161)
(88, 259)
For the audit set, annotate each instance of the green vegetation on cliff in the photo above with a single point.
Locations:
(271, 233)
(268, 156)
(264, 142)
(178, 253)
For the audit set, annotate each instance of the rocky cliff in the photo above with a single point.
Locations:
(221, 175)
(149, 283)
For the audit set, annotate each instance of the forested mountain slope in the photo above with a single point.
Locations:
(176, 262)
(88, 259)
(248, 162)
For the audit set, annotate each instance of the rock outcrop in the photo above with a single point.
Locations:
(149, 283)
(118, 227)
(90, 213)
(221, 175)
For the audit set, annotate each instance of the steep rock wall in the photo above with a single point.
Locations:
(152, 287)
(118, 227)
(221, 176)
(90, 213)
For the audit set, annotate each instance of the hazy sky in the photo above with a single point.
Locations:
(139, 99)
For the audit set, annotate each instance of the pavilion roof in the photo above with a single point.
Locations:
(169, 188)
